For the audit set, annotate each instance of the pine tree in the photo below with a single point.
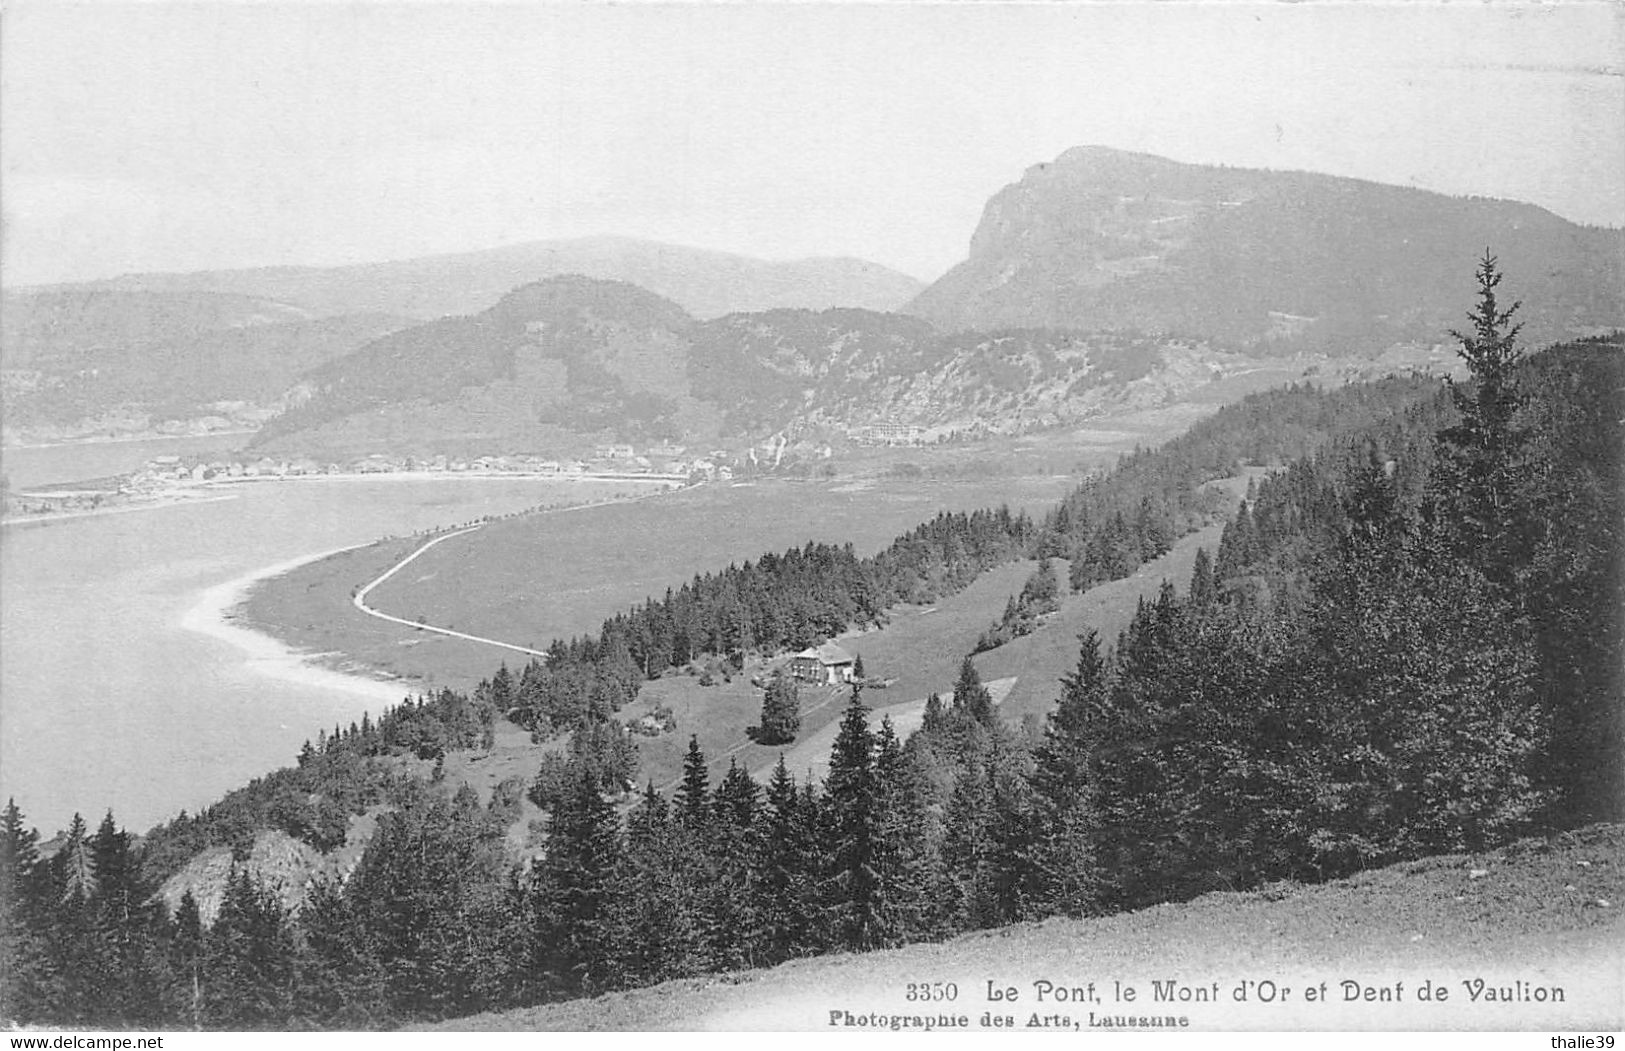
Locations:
(1062, 857)
(787, 867)
(734, 927)
(660, 900)
(694, 794)
(576, 942)
(26, 969)
(186, 959)
(902, 863)
(967, 849)
(426, 894)
(249, 959)
(971, 697)
(20, 884)
(1134, 769)
(936, 716)
(344, 984)
(781, 712)
(1430, 706)
(1204, 589)
(1480, 476)
(133, 988)
(852, 809)
(76, 868)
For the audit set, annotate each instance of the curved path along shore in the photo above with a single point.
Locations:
(360, 601)
(360, 598)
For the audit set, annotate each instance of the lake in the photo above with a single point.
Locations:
(26, 466)
(108, 700)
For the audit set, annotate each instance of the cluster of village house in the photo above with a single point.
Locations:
(659, 461)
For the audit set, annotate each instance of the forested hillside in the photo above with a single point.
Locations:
(102, 360)
(1406, 643)
(105, 354)
(558, 364)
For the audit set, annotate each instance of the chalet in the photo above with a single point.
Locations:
(828, 664)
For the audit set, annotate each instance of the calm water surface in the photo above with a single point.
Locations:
(82, 461)
(107, 701)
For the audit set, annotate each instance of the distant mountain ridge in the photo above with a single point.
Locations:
(126, 355)
(1105, 239)
(1102, 281)
(706, 283)
(68, 324)
(94, 361)
(562, 363)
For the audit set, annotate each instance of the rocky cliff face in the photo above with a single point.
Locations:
(1102, 239)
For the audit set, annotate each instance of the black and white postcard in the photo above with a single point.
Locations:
(824, 517)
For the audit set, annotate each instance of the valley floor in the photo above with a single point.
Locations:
(1528, 937)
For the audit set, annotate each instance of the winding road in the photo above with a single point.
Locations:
(360, 601)
(360, 598)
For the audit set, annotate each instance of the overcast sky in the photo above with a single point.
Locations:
(153, 137)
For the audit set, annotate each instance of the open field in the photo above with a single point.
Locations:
(1543, 912)
(531, 579)
(310, 608)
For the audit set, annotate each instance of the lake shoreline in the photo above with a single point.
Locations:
(214, 615)
(209, 490)
(218, 613)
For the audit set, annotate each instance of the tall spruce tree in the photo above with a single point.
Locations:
(734, 926)
(1061, 857)
(1479, 477)
(903, 858)
(133, 992)
(576, 942)
(661, 897)
(186, 960)
(249, 960)
(428, 893)
(693, 797)
(26, 967)
(788, 872)
(852, 809)
(781, 712)
(971, 697)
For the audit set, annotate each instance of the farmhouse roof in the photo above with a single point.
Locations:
(827, 654)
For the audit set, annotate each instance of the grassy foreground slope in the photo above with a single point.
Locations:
(1545, 913)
